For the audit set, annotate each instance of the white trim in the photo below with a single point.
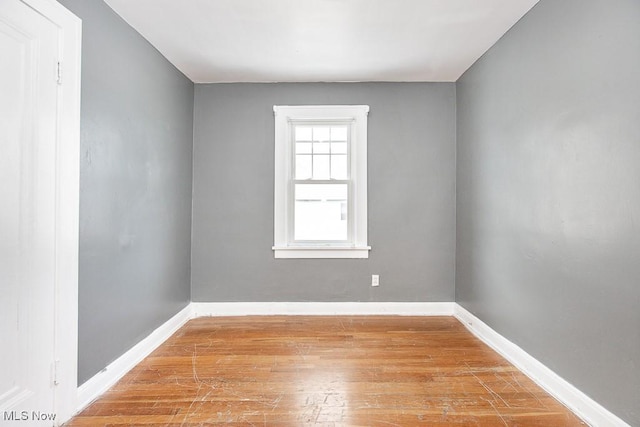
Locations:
(67, 205)
(320, 252)
(201, 309)
(106, 378)
(578, 402)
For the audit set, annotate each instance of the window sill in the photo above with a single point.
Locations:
(320, 252)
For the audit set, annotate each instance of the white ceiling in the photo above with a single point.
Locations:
(322, 40)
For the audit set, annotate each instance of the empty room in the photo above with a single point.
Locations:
(320, 212)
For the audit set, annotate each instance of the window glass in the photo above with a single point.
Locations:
(321, 148)
(338, 148)
(320, 212)
(321, 133)
(303, 133)
(303, 166)
(321, 167)
(339, 166)
(304, 148)
(339, 133)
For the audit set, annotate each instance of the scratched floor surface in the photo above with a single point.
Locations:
(295, 371)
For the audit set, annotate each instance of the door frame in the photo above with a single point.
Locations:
(67, 206)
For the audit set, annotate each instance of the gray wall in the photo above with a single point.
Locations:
(411, 195)
(548, 193)
(135, 188)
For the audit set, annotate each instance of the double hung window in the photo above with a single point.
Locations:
(320, 182)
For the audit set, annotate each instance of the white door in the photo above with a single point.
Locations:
(28, 108)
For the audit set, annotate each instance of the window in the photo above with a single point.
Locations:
(321, 182)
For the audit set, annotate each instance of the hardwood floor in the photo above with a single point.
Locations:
(298, 370)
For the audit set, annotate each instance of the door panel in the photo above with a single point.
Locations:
(28, 105)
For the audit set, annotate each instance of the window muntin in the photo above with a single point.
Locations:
(321, 151)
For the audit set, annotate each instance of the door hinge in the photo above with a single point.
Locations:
(56, 369)
(59, 73)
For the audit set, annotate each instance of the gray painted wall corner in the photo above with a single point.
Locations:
(135, 188)
(548, 202)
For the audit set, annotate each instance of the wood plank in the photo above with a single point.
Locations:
(328, 370)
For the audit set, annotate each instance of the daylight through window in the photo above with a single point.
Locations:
(320, 197)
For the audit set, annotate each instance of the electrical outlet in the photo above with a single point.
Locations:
(375, 280)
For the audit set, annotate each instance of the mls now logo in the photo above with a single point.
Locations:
(28, 416)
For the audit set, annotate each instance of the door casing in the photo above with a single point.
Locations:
(67, 203)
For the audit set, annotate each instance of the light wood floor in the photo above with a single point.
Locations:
(294, 371)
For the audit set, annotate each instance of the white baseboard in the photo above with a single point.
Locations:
(578, 402)
(201, 309)
(106, 378)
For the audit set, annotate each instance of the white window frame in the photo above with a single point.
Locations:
(284, 244)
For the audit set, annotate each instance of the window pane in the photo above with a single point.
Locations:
(339, 148)
(321, 212)
(303, 133)
(339, 133)
(303, 166)
(339, 166)
(303, 148)
(321, 167)
(321, 147)
(321, 133)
